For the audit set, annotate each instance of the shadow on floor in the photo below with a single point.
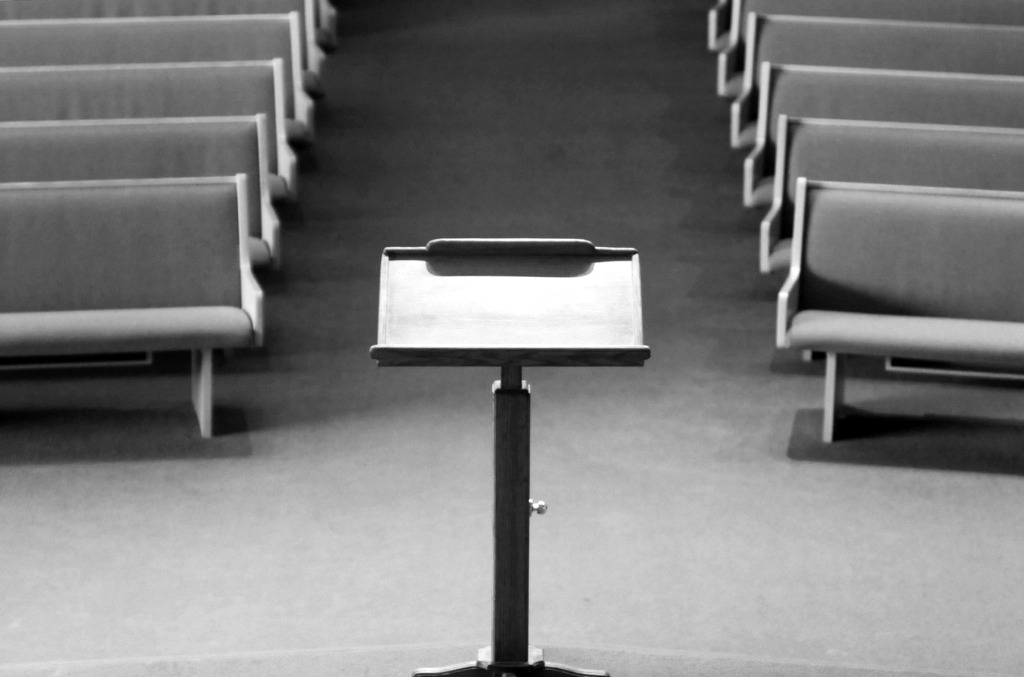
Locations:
(927, 442)
(56, 436)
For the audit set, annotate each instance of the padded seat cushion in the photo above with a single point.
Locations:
(326, 39)
(125, 330)
(733, 87)
(953, 99)
(947, 11)
(297, 133)
(781, 255)
(763, 192)
(312, 84)
(278, 187)
(259, 253)
(928, 338)
(142, 90)
(918, 253)
(864, 43)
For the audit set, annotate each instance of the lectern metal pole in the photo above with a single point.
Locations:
(509, 638)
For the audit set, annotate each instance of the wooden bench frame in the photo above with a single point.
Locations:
(286, 161)
(313, 54)
(752, 61)
(744, 110)
(327, 23)
(789, 294)
(726, 20)
(270, 223)
(251, 293)
(301, 104)
(771, 225)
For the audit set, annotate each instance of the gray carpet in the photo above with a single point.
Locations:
(350, 505)
(400, 661)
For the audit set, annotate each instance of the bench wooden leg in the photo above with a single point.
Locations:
(835, 367)
(202, 389)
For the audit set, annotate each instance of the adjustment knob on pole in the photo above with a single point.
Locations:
(539, 507)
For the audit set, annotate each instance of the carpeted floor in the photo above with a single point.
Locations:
(348, 506)
(401, 660)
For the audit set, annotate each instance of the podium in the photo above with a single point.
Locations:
(510, 303)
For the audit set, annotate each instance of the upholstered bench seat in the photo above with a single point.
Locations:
(761, 192)
(279, 190)
(161, 90)
(312, 53)
(298, 134)
(83, 150)
(894, 153)
(166, 39)
(71, 332)
(726, 41)
(941, 48)
(259, 253)
(779, 256)
(926, 338)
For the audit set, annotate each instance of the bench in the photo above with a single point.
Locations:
(142, 148)
(860, 151)
(865, 43)
(157, 91)
(174, 271)
(896, 271)
(70, 42)
(730, 37)
(868, 94)
(312, 54)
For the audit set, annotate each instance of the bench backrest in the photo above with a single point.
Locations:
(910, 250)
(68, 42)
(886, 95)
(108, 9)
(1008, 12)
(867, 43)
(98, 245)
(144, 148)
(148, 91)
(895, 153)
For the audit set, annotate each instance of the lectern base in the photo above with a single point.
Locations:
(485, 667)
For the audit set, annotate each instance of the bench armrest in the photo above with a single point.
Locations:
(271, 233)
(771, 233)
(288, 170)
(753, 172)
(730, 62)
(742, 114)
(789, 296)
(315, 55)
(304, 111)
(718, 25)
(327, 23)
(252, 303)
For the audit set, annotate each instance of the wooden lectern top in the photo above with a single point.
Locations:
(493, 302)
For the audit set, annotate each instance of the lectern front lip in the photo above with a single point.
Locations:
(497, 356)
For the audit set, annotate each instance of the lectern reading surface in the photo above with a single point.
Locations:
(510, 303)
